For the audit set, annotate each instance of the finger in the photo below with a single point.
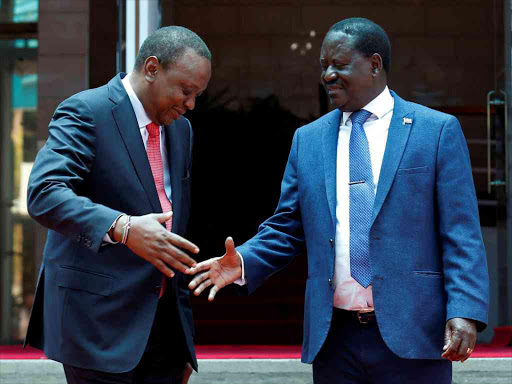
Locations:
(453, 347)
(197, 280)
(163, 217)
(176, 253)
(162, 267)
(205, 284)
(181, 257)
(230, 246)
(447, 334)
(471, 347)
(462, 352)
(175, 260)
(202, 266)
(213, 292)
(182, 243)
(468, 354)
(472, 342)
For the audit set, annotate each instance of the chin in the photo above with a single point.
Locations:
(166, 121)
(337, 102)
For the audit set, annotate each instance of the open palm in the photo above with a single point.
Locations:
(217, 272)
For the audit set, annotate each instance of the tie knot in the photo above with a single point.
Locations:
(359, 117)
(153, 129)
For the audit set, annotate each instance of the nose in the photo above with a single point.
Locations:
(190, 103)
(329, 75)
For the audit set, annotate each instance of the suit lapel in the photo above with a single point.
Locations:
(395, 146)
(330, 132)
(126, 122)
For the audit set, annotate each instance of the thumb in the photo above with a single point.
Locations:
(230, 246)
(163, 217)
(447, 336)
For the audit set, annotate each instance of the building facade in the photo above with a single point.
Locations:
(451, 55)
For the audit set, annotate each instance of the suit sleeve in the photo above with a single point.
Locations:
(463, 252)
(56, 197)
(281, 237)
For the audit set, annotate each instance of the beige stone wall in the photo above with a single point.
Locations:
(443, 50)
(63, 55)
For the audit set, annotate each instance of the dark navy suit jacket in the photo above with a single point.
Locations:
(427, 256)
(95, 303)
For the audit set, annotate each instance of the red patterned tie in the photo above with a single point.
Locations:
(157, 168)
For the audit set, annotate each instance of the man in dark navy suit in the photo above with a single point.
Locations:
(380, 192)
(112, 185)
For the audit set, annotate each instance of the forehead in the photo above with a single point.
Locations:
(192, 68)
(190, 63)
(337, 43)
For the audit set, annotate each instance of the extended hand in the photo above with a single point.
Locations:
(459, 339)
(151, 241)
(219, 272)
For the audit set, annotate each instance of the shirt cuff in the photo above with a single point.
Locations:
(108, 240)
(241, 281)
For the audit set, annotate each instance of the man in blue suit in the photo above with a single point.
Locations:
(111, 182)
(380, 192)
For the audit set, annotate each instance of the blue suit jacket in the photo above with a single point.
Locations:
(94, 303)
(427, 256)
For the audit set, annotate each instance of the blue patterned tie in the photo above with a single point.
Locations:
(362, 196)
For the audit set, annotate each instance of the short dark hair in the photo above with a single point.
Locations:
(369, 38)
(168, 44)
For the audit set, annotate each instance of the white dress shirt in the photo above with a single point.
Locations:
(143, 120)
(349, 294)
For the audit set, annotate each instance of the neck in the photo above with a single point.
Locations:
(139, 87)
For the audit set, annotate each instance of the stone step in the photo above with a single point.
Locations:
(253, 371)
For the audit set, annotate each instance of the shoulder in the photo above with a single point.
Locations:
(432, 114)
(422, 112)
(331, 118)
(95, 98)
(88, 101)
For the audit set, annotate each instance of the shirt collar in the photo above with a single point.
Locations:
(379, 107)
(141, 115)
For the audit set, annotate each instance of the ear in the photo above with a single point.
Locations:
(151, 68)
(376, 63)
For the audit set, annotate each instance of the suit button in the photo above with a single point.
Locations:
(330, 282)
(331, 241)
(157, 289)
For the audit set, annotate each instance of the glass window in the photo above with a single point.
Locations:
(19, 11)
(18, 147)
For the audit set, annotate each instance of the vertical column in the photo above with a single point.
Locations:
(63, 61)
(63, 67)
(508, 90)
(5, 200)
(142, 18)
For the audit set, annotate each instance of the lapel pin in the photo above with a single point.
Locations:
(407, 120)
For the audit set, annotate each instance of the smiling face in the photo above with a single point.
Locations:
(351, 80)
(173, 91)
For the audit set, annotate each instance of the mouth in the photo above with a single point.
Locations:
(331, 90)
(178, 112)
